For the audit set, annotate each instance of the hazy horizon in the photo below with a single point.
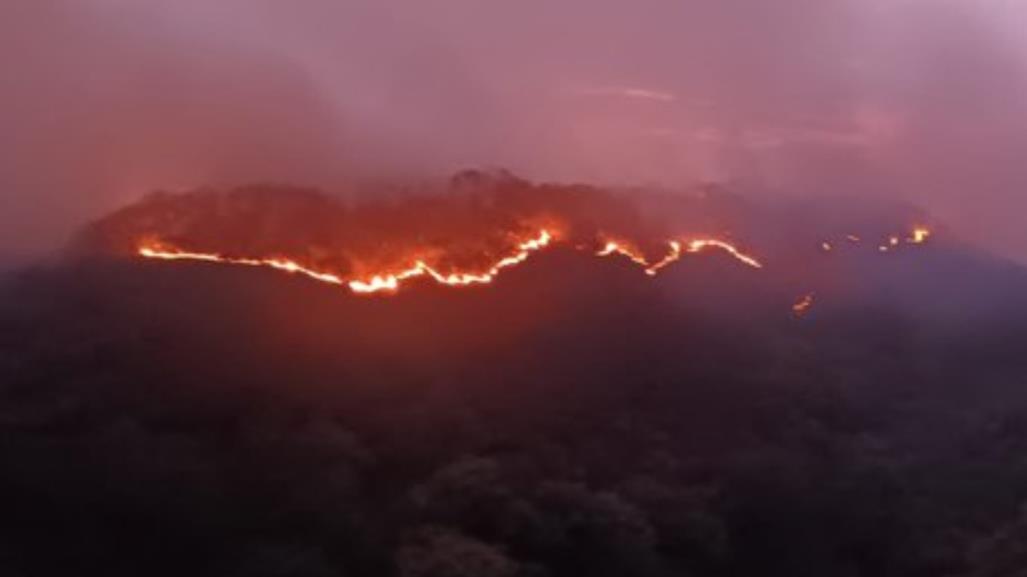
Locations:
(917, 100)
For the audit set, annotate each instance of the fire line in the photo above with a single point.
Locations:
(389, 282)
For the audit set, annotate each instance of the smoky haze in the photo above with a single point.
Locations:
(923, 100)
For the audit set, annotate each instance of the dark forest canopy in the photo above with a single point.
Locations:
(179, 418)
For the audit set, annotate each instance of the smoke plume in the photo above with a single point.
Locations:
(105, 100)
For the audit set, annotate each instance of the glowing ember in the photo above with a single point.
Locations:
(634, 255)
(377, 283)
(701, 244)
(158, 252)
(391, 281)
(672, 256)
(674, 253)
(803, 305)
(920, 235)
(624, 249)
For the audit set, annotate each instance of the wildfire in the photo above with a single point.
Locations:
(803, 305)
(675, 250)
(920, 234)
(159, 252)
(702, 244)
(391, 281)
(624, 249)
(672, 256)
(377, 283)
(367, 249)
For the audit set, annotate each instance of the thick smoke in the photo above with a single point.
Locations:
(102, 104)
(921, 99)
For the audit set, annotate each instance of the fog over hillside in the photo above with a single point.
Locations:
(106, 100)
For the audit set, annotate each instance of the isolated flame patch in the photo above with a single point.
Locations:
(803, 305)
(919, 235)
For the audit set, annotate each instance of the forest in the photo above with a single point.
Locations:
(181, 418)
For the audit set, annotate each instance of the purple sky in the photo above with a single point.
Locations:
(103, 100)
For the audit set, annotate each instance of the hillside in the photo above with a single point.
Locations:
(575, 417)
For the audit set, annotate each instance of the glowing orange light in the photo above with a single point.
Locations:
(674, 253)
(158, 252)
(802, 306)
(920, 235)
(376, 283)
(387, 282)
(392, 282)
(624, 249)
(672, 256)
(702, 244)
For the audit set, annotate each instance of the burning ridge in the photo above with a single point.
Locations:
(479, 225)
(468, 233)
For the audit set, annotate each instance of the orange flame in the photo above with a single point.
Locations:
(159, 252)
(624, 249)
(802, 306)
(387, 282)
(701, 244)
(920, 235)
(671, 257)
(391, 282)
(674, 253)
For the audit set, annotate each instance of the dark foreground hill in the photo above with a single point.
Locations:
(577, 418)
